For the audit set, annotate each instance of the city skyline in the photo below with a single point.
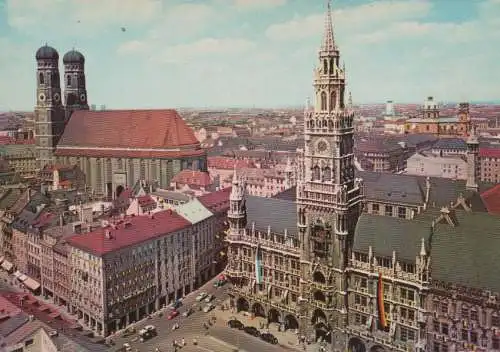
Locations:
(253, 53)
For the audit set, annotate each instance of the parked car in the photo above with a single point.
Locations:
(201, 297)
(268, 337)
(172, 314)
(252, 331)
(209, 298)
(235, 324)
(219, 283)
(187, 313)
(208, 307)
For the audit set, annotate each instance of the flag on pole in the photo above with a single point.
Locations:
(380, 302)
(258, 266)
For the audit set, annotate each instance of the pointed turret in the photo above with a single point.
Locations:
(328, 38)
(423, 252)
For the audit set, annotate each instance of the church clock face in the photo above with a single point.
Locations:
(41, 97)
(83, 98)
(57, 98)
(322, 146)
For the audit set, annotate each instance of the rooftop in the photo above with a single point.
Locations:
(117, 130)
(275, 213)
(216, 201)
(192, 177)
(129, 232)
(193, 211)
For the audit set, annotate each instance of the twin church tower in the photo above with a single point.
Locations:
(51, 111)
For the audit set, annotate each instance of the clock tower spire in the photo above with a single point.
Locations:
(329, 198)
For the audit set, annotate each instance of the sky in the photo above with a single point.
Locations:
(253, 53)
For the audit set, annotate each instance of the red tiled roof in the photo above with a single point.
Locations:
(126, 194)
(7, 308)
(130, 153)
(146, 200)
(138, 230)
(489, 152)
(193, 178)
(491, 198)
(44, 219)
(127, 129)
(4, 140)
(216, 201)
(219, 162)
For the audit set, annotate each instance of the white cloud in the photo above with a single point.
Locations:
(353, 19)
(207, 47)
(185, 18)
(133, 47)
(69, 17)
(251, 4)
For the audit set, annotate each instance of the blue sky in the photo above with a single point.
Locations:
(212, 53)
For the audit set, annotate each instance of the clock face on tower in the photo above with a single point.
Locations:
(41, 97)
(57, 97)
(322, 146)
(83, 98)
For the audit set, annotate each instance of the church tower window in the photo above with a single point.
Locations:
(333, 100)
(323, 101)
(315, 173)
(68, 80)
(327, 174)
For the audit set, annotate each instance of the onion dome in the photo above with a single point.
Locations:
(73, 57)
(47, 53)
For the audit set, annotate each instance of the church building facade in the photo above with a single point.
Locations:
(113, 148)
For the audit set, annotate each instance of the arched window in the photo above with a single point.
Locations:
(327, 174)
(324, 123)
(342, 97)
(323, 101)
(333, 100)
(325, 66)
(68, 80)
(331, 66)
(330, 124)
(315, 173)
(41, 79)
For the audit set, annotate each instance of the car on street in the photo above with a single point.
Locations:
(188, 312)
(252, 331)
(209, 298)
(201, 297)
(235, 324)
(268, 337)
(219, 283)
(209, 307)
(172, 314)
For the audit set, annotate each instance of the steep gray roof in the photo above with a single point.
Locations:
(468, 254)
(410, 189)
(450, 143)
(387, 234)
(277, 213)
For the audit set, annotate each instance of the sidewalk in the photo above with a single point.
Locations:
(286, 339)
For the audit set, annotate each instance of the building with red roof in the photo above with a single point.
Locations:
(198, 182)
(114, 148)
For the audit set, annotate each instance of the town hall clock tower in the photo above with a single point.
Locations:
(329, 198)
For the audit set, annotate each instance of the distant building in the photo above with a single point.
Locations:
(380, 154)
(432, 122)
(454, 167)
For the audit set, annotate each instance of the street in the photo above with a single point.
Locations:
(218, 338)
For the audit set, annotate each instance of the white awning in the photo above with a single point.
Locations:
(31, 284)
(6, 265)
(17, 274)
(22, 278)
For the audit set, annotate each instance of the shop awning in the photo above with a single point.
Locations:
(22, 278)
(31, 284)
(6, 265)
(17, 274)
